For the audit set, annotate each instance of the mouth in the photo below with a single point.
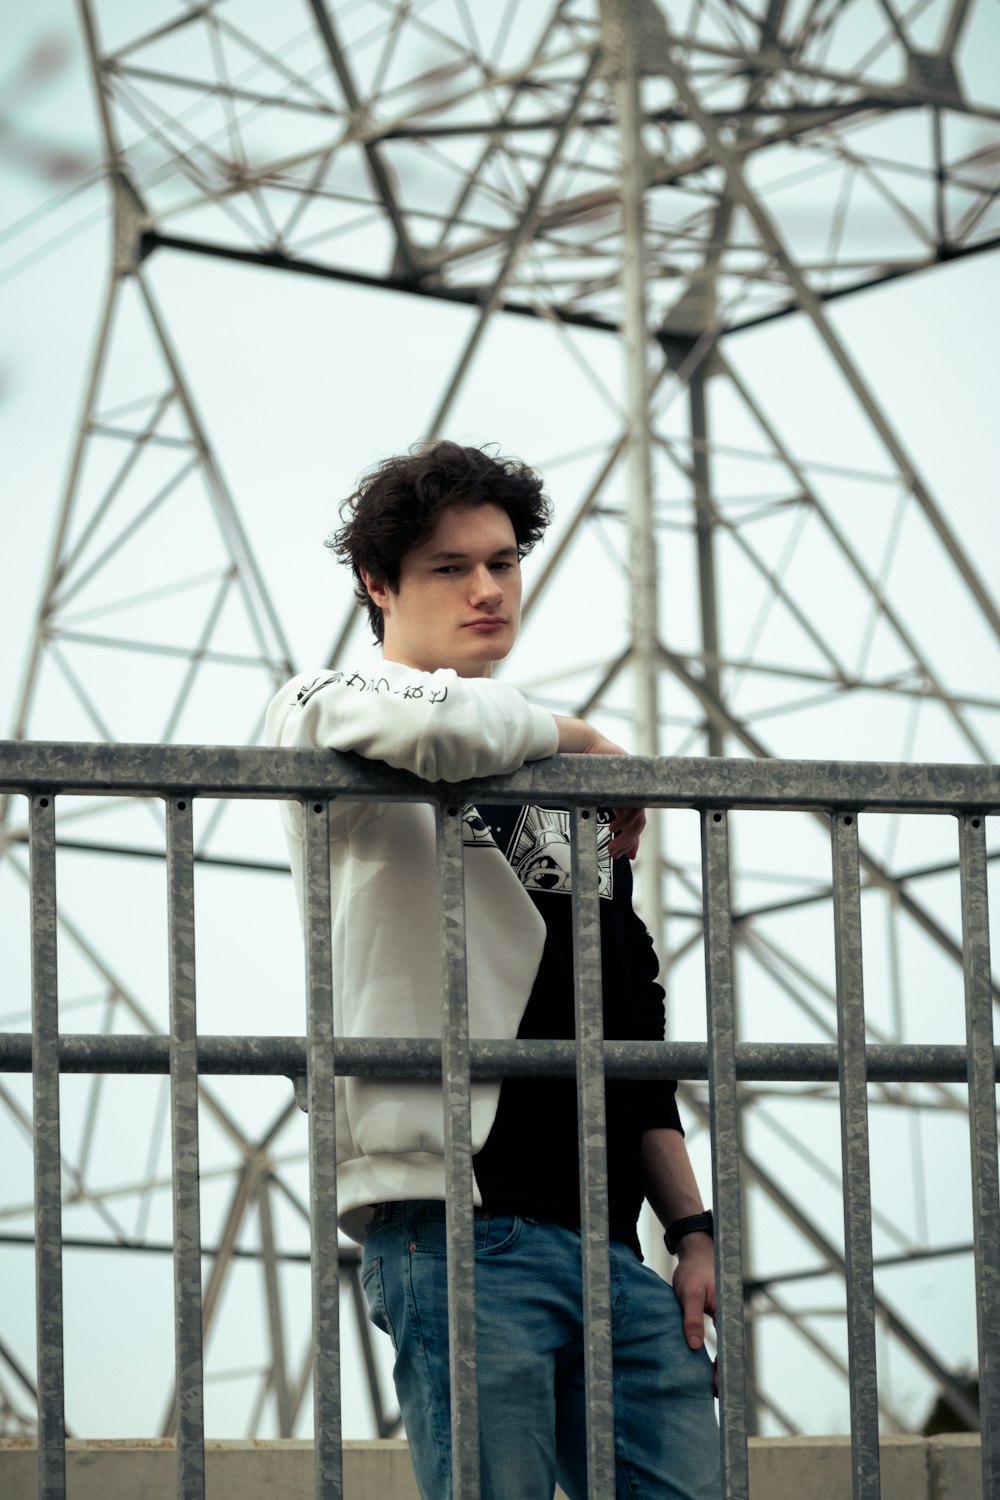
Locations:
(485, 626)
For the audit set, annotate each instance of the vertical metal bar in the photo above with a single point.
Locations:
(854, 1151)
(590, 1109)
(982, 1133)
(704, 520)
(48, 1164)
(620, 23)
(458, 1156)
(325, 1270)
(275, 1321)
(184, 1143)
(725, 1152)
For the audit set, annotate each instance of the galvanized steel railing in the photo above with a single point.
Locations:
(839, 792)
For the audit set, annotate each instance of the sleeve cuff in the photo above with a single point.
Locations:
(545, 741)
(658, 1107)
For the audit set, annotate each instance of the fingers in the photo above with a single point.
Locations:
(695, 1292)
(694, 1299)
(624, 845)
(600, 745)
(626, 829)
(694, 1325)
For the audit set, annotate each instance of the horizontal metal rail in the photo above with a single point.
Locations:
(178, 774)
(380, 1057)
(563, 780)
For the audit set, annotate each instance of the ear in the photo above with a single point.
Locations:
(378, 589)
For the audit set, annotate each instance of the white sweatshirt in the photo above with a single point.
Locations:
(386, 964)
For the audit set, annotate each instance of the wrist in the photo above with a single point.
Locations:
(694, 1245)
(575, 735)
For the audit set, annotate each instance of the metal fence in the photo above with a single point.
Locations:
(836, 792)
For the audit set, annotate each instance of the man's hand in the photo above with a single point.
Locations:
(626, 830)
(576, 737)
(694, 1285)
(694, 1288)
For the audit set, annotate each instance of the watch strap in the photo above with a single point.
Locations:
(694, 1224)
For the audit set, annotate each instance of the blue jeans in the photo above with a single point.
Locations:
(529, 1316)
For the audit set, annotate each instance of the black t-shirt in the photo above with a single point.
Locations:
(529, 1164)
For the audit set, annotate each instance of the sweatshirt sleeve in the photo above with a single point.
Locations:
(438, 725)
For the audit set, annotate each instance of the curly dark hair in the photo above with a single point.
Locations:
(396, 508)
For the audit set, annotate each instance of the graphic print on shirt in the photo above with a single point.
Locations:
(362, 684)
(535, 843)
(474, 829)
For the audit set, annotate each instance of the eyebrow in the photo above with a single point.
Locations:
(460, 556)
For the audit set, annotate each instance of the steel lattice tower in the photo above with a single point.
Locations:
(622, 170)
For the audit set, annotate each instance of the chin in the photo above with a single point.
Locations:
(488, 654)
(494, 651)
(488, 647)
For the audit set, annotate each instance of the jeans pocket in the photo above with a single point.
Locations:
(371, 1282)
(497, 1233)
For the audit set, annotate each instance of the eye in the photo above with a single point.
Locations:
(446, 568)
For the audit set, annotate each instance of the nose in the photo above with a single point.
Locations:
(485, 586)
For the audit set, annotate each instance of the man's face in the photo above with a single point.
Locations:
(459, 598)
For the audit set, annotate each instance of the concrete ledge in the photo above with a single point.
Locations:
(913, 1468)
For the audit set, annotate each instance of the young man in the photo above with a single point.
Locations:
(435, 539)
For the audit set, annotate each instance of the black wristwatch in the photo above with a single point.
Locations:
(693, 1224)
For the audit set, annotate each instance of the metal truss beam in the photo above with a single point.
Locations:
(406, 260)
(810, 304)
